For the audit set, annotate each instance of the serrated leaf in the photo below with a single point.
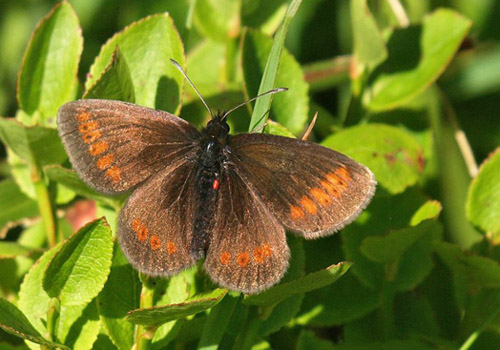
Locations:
(289, 108)
(483, 200)
(115, 301)
(417, 56)
(13, 321)
(369, 45)
(115, 83)
(158, 315)
(48, 74)
(33, 300)
(302, 285)
(391, 153)
(218, 19)
(17, 207)
(157, 83)
(34, 144)
(77, 272)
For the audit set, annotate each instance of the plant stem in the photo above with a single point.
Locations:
(144, 335)
(45, 205)
(472, 338)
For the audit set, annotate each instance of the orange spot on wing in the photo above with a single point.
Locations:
(330, 188)
(258, 254)
(321, 196)
(171, 248)
(266, 248)
(83, 117)
(105, 161)
(114, 173)
(155, 242)
(88, 126)
(344, 174)
(243, 259)
(336, 180)
(225, 258)
(140, 229)
(296, 213)
(98, 148)
(309, 205)
(91, 136)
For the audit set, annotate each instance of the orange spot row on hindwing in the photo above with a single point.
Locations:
(259, 254)
(91, 135)
(333, 185)
(155, 243)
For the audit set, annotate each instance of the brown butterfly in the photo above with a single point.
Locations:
(208, 194)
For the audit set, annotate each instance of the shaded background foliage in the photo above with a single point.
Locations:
(418, 104)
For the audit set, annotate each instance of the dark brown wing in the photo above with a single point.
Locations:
(312, 190)
(155, 227)
(247, 249)
(115, 145)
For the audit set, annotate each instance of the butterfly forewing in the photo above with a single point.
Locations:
(155, 227)
(312, 190)
(247, 250)
(116, 145)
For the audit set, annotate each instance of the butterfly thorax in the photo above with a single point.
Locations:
(214, 138)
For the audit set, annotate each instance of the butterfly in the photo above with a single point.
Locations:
(208, 194)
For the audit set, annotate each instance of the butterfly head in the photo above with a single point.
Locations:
(217, 127)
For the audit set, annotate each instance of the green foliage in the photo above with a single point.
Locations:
(397, 89)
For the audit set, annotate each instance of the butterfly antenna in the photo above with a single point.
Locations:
(270, 92)
(178, 66)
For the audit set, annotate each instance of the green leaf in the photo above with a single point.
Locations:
(308, 340)
(301, 285)
(77, 273)
(33, 300)
(289, 108)
(369, 45)
(388, 345)
(115, 83)
(417, 57)
(275, 128)
(36, 145)
(157, 83)
(392, 154)
(115, 301)
(273, 59)
(218, 19)
(13, 321)
(338, 303)
(48, 74)
(17, 207)
(69, 178)
(483, 200)
(204, 68)
(79, 325)
(9, 250)
(158, 315)
(216, 324)
(429, 210)
(390, 247)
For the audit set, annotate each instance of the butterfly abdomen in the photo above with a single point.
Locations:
(207, 185)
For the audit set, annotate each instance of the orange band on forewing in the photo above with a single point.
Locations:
(155, 242)
(105, 161)
(321, 196)
(243, 259)
(98, 148)
(309, 205)
(171, 248)
(83, 117)
(296, 213)
(91, 136)
(225, 258)
(88, 126)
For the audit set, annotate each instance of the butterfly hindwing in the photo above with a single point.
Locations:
(155, 226)
(115, 145)
(247, 249)
(310, 189)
